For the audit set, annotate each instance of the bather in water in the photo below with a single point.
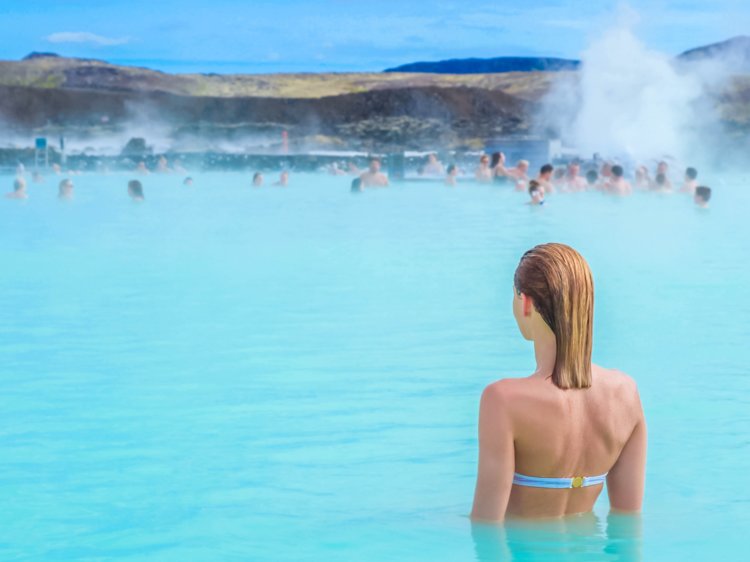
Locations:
(135, 190)
(548, 442)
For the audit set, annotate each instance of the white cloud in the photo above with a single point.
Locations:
(85, 37)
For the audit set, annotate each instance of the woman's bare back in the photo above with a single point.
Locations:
(567, 433)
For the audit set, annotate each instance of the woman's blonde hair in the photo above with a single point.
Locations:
(559, 282)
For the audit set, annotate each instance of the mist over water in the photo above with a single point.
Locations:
(629, 101)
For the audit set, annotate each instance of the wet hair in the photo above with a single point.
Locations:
(374, 159)
(617, 171)
(703, 192)
(592, 176)
(661, 179)
(356, 185)
(451, 169)
(19, 184)
(534, 186)
(691, 173)
(257, 175)
(496, 156)
(546, 169)
(135, 189)
(560, 284)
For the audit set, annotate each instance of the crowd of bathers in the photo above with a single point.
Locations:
(601, 176)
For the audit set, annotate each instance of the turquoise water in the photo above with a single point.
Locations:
(222, 373)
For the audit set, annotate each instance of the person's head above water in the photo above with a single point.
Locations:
(702, 195)
(662, 168)
(498, 159)
(357, 185)
(617, 171)
(554, 298)
(19, 185)
(546, 171)
(691, 174)
(592, 177)
(257, 179)
(65, 189)
(536, 193)
(452, 170)
(135, 190)
(523, 166)
(374, 165)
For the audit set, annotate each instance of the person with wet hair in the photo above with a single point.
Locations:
(519, 174)
(188, 181)
(661, 184)
(592, 179)
(691, 182)
(373, 177)
(450, 178)
(548, 442)
(536, 193)
(545, 178)
(356, 186)
(702, 196)
(257, 179)
(135, 190)
(19, 189)
(618, 185)
(65, 190)
(662, 169)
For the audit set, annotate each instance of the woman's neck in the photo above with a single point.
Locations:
(545, 351)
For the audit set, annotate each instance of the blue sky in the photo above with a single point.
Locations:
(339, 35)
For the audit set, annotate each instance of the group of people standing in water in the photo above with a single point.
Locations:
(605, 177)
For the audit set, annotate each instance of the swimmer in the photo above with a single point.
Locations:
(373, 177)
(618, 185)
(573, 179)
(536, 193)
(162, 165)
(257, 179)
(605, 176)
(483, 173)
(433, 166)
(334, 170)
(663, 169)
(592, 179)
(497, 165)
(19, 189)
(702, 196)
(450, 178)
(691, 182)
(558, 179)
(283, 179)
(142, 169)
(188, 181)
(65, 190)
(545, 178)
(661, 184)
(642, 178)
(548, 442)
(135, 190)
(519, 174)
(357, 186)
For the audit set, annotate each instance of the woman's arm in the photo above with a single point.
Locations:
(496, 456)
(627, 479)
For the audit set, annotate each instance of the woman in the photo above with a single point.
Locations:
(548, 442)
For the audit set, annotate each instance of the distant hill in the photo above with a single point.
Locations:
(490, 66)
(734, 52)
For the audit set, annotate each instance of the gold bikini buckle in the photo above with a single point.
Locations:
(577, 482)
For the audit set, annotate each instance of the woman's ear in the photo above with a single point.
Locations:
(527, 305)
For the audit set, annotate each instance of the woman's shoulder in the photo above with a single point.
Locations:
(616, 382)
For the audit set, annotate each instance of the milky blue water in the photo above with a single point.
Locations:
(228, 373)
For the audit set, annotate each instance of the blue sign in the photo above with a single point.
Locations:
(41, 143)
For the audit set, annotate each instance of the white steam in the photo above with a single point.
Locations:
(634, 102)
